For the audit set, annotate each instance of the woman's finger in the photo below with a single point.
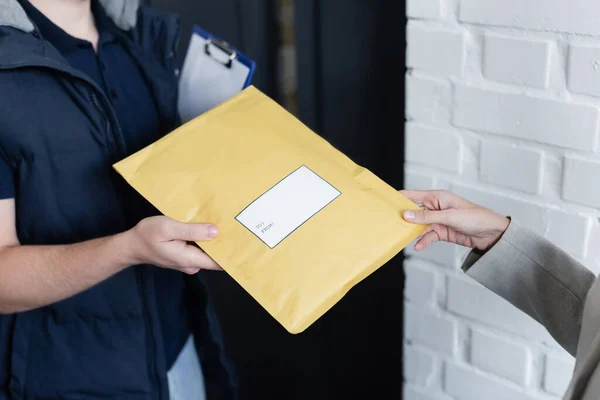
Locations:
(427, 240)
(429, 217)
(436, 199)
(416, 196)
(429, 229)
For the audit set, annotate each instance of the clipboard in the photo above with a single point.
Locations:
(212, 73)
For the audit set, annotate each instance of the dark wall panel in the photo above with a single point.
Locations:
(351, 91)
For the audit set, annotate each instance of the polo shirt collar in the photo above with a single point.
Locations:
(61, 39)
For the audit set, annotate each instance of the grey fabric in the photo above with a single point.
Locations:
(552, 287)
(122, 12)
(13, 15)
(186, 381)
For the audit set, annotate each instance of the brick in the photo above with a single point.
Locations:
(410, 393)
(428, 100)
(572, 126)
(557, 374)
(576, 16)
(516, 61)
(417, 181)
(570, 232)
(584, 70)
(532, 215)
(511, 166)
(420, 284)
(442, 253)
(578, 181)
(426, 9)
(501, 357)
(435, 50)
(471, 154)
(428, 330)
(465, 384)
(418, 366)
(433, 147)
(473, 301)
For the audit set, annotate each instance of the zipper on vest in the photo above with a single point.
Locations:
(140, 277)
(102, 110)
(139, 273)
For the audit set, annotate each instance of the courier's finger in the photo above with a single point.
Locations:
(193, 257)
(191, 232)
(190, 271)
(428, 217)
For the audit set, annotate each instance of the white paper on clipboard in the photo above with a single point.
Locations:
(206, 80)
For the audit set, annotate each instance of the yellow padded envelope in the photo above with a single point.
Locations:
(300, 223)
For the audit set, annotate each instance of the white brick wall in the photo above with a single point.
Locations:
(444, 53)
(467, 384)
(427, 9)
(447, 155)
(576, 16)
(424, 328)
(502, 107)
(512, 166)
(583, 70)
(578, 190)
(557, 372)
(500, 356)
(516, 61)
(526, 117)
(419, 366)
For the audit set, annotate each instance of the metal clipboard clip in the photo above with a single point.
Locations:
(224, 47)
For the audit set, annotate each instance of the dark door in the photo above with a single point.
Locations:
(351, 91)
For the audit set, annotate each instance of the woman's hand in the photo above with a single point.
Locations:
(454, 220)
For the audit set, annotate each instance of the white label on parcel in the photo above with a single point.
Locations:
(287, 205)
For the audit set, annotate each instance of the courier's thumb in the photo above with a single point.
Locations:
(427, 217)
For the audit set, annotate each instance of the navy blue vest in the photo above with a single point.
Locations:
(60, 134)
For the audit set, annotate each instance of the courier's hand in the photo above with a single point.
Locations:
(163, 242)
(454, 220)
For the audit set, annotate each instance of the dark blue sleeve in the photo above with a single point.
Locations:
(7, 180)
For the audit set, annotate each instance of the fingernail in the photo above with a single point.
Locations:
(213, 231)
(409, 215)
